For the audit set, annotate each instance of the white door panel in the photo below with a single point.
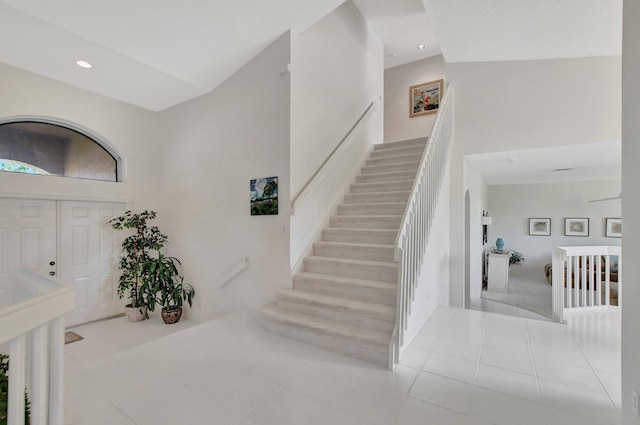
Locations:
(27, 239)
(89, 254)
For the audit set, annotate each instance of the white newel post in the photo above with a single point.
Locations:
(39, 376)
(56, 394)
(17, 371)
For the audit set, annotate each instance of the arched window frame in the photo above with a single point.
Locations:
(95, 137)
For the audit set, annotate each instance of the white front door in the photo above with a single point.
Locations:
(89, 254)
(27, 238)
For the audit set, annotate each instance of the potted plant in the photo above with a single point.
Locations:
(169, 287)
(137, 249)
(4, 393)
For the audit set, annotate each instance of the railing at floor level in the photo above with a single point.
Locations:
(415, 227)
(584, 277)
(32, 324)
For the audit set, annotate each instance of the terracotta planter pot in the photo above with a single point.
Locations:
(135, 314)
(171, 315)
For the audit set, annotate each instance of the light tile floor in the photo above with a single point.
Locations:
(490, 306)
(465, 367)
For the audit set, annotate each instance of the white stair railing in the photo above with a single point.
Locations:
(583, 277)
(415, 227)
(32, 313)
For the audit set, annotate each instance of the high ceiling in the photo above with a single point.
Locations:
(583, 162)
(157, 53)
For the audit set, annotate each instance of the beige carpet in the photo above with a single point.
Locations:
(527, 291)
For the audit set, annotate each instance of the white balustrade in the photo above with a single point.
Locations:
(583, 278)
(415, 228)
(32, 324)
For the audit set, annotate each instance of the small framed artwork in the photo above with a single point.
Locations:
(424, 99)
(576, 227)
(264, 196)
(613, 228)
(540, 226)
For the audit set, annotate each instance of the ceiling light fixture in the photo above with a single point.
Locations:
(83, 64)
(421, 46)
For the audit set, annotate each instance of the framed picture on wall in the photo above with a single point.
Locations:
(613, 228)
(540, 227)
(264, 196)
(576, 227)
(424, 99)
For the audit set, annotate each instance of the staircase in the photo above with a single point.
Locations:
(345, 299)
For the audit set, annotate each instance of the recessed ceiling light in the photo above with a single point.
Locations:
(422, 46)
(83, 64)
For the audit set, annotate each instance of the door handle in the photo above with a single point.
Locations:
(52, 273)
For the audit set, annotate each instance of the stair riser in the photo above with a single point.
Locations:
(357, 222)
(385, 160)
(359, 236)
(370, 272)
(396, 186)
(378, 355)
(339, 289)
(337, 316)
(371, 209)
(355, 252)
(403, 144)
(396, 152)
(374, 198)
(386, 177)
(384, 168)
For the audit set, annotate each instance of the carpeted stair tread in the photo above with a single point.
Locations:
(383, 208)
(346, 305)
(386, 176)
(375, 197)
(387, 186)
(364, 283)
(421, 141)
(338, 234)
(362, 269)
(347, 287)
(392, 159)
(394, 166)
(372, 339)
(395, 151)
(355, 250)
(356, 244)
(389, 222)
(388, 264)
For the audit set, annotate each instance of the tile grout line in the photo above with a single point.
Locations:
(533, 362)
(484, 333)
(591, 367)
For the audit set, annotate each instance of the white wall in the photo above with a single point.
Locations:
(397, 123)
(511, 206)
(630, 207)
(503, 106)
(130, 130)
(214, 145)
(337, 71)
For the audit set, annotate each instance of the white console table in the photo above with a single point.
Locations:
(498, 279)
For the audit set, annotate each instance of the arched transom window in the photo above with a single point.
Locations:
(44, 148)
